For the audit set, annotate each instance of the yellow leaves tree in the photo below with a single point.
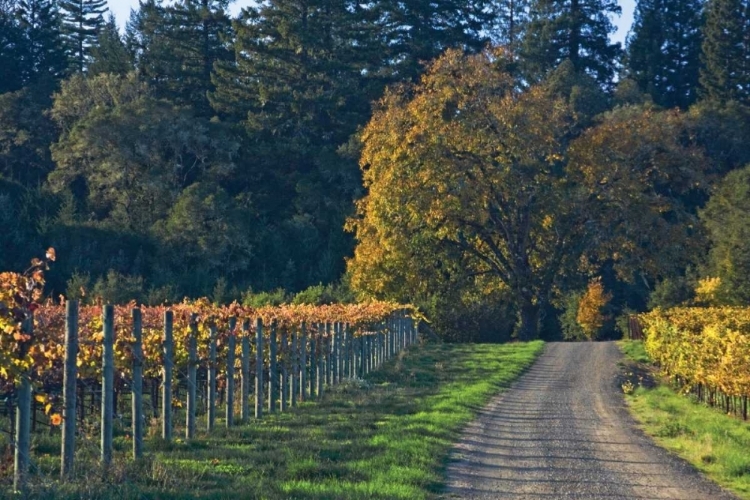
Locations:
(465, 180)
(591, 315)
(471, 177)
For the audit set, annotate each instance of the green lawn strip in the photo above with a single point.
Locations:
(387, 437)
(714, 443)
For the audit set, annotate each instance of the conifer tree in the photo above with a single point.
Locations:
(11, 41)
(510, 18)
(43, 58)
(110, 55)
(176, 47)
(415, 32)
(725, 74)
(82, 20)
(571, 29)
(664, 50)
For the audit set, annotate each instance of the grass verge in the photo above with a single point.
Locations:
(385, 437)
(714, 443)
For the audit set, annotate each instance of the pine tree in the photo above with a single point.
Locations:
(571, 29)
(43, 61)
(300, 70)
(725, 74)
(82, 20)
(176, 47)
(664, 50)
(415, 32)
(11, 43)
(201, 33)
(510, 19)
(303, 78)
(110, 55)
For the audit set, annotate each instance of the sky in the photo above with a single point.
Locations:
(121, 9)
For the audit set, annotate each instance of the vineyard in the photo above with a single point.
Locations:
(75, 366)
(705, 351)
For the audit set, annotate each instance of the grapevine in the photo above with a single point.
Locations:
(707, 347)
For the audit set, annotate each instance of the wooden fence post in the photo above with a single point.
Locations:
(259, 368)
(328, 346)
(295, 368)
(245, 372)
(166, 384)
(335, 356)
(321, 375)
(273, 375)
(192, 378)
(211, 416)
(284, 375)
(108, 379)
(69, 389)
(348, 351)
(313, 364)
(137, 384)
(23, 424)
(231, 347)
(304, 388)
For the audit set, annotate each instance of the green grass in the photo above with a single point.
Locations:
(634, 351)
(714, 443)
(387, 437)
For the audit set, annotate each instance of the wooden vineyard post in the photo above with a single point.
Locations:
(231, 346)
(333, 332)
(166, 384)
(259, 368)
(363, 356)
(211, 416)
(391, 338)
(284, 375)
(362, 366)
(327, 353)
(273, 375)
(69, 389)
(137, 389)
(402, 331)
(192, 376)
(23, 424)
(371, 349)
(245, 372)
(321, 375)
(343, 353)
(348, 351)
(108, 379)
(313, 365)
(295, 368)
(303, 387)
(381, 348)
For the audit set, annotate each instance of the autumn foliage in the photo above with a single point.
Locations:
(706, 346)
(591, 314)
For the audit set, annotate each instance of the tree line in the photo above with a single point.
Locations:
(203, 154)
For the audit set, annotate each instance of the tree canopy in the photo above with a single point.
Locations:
(465, 173)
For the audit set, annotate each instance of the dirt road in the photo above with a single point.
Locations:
(563, 432)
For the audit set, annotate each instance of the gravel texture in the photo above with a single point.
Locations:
(562, 431)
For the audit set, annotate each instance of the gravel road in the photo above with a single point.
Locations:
(562, 431)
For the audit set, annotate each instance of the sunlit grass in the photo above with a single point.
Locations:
(388, 438)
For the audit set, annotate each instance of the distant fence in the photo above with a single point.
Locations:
(246, 365)
(635, 329)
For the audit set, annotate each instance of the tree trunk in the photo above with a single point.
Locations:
(528, 320)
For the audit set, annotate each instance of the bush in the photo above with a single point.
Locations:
(274, 298)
